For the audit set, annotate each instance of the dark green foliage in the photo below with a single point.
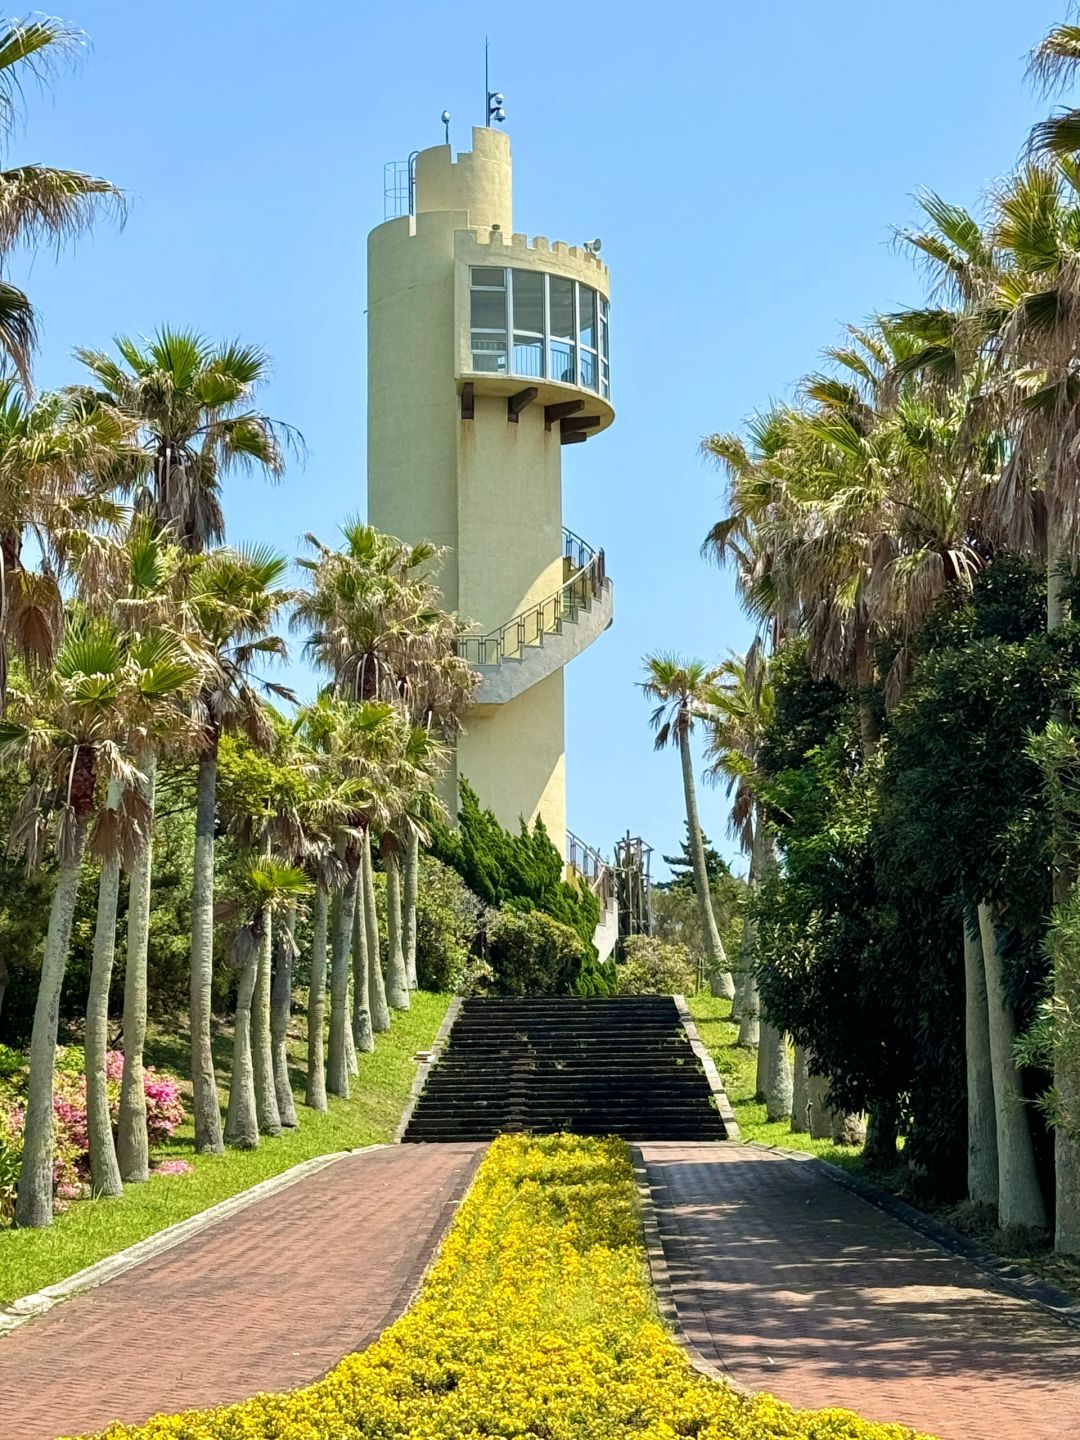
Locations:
(24, 914)
(524, 871)
(860, 942)
(529, 953)
(682, 865)
(448, 917)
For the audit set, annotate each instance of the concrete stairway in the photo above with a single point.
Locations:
(591, 1066)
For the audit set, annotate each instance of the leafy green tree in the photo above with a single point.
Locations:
(681, 865)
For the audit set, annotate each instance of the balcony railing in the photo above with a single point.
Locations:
(591, 868)
(586, 580)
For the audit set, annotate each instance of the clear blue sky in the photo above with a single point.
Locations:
(743, 165)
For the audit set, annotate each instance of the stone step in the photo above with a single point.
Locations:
(604, 1067)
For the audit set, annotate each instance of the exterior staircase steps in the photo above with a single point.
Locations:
(618, 1066)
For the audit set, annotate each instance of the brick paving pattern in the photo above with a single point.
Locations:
(794, 1285)
(267, 1299)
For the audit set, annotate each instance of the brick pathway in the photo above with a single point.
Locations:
(797, 1286)
(268, 1299)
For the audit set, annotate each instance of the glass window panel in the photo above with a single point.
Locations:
(563, 365)
(604, 337)
(488, 310)
(488, 276)
(588, 369)
(528, 353)
(529, 301)
(562, 307)
(587, 314)
(489, 354)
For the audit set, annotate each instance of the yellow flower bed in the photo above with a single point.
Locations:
(537, 1321)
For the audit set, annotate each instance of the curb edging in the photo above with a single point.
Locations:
(28, 1307)
(442, 1035)
(660, 1275)
(708, 1064)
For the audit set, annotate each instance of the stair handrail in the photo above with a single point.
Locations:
(591, 867)
(585, 583)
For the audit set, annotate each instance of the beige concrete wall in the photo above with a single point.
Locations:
(514, 758)
(509, 513)
(412, 400)
(479, 181)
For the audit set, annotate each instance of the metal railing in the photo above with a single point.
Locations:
(591, 868)
(586, 580)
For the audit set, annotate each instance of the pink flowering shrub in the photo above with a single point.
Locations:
(71, 1144)
(173, 1167)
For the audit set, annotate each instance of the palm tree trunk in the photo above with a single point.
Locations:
(746, 995)
(337, 1060)
(104, 1167)
(800, 1093)
(34, 1197)
(774, 1077)
(397, 985)
(132, 1142)
(380, 1010)
(1020, 1200)
(204, 1090)
(825, 1122)
(241, 1119)
(408, 918)
(982, 1156)
(262, 1059)
(280, 1014)
(749, 1023)
(351, 1062)
(315, 1095)
(720, 981)
(362, 1033)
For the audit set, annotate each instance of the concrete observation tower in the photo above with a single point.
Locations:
(487, 355)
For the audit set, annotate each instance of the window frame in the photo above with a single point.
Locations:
(594, 358)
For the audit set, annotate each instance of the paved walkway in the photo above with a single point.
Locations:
(797, 1286)
(267, 1299)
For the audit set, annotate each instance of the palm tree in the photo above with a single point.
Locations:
(137, 586)
(273, 889)
(74, 733)
(53, 454)
(39, 203)
(359, 743)
(682, 688)
(234, 600)
(1053, 62)
(191, 404)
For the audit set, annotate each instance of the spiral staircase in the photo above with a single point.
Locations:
(548, 635)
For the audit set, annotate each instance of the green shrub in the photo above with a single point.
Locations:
(531, 954)
(524, 870)
(448, 917)
(652, 967)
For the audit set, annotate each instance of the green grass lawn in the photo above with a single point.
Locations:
(92, 1229)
